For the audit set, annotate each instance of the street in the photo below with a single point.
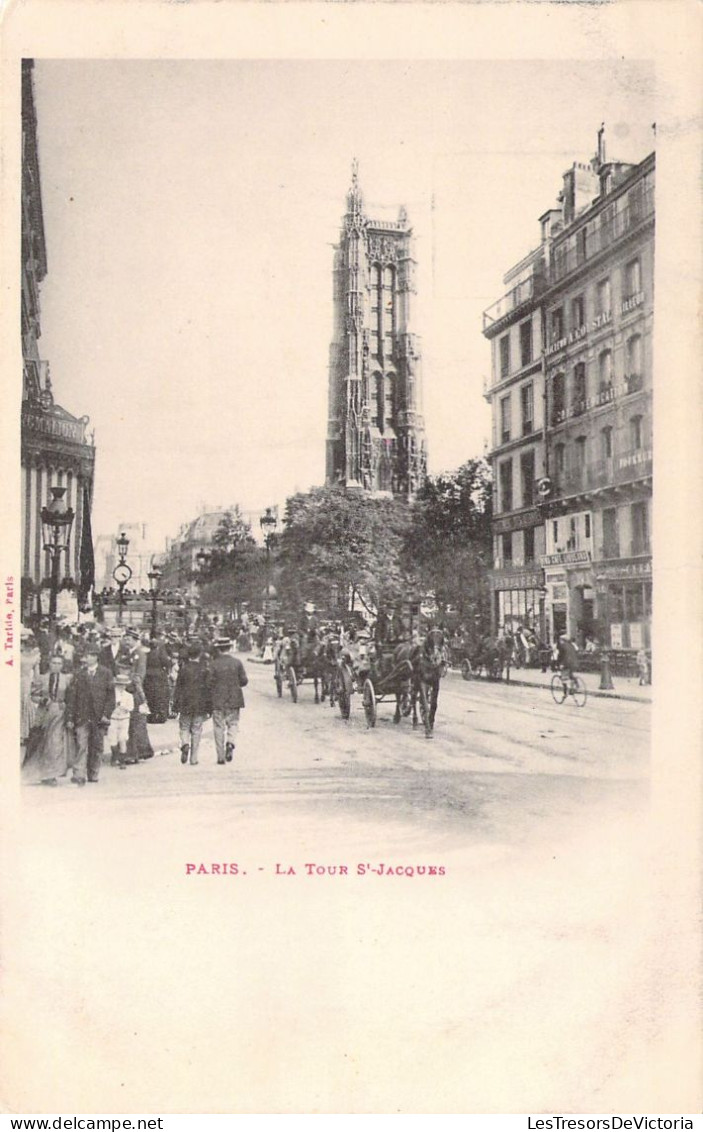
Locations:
(503, 860)
(501, 759)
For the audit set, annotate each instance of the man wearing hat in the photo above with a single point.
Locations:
(227, 678)
(191, 699)
(90, 701)
(111, 654)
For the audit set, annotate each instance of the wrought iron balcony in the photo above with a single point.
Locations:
(529, 289)
(628, 467)
(601, 234)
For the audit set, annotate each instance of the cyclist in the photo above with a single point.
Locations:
(568, 658)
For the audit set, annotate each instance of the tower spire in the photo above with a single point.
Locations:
(355, 199)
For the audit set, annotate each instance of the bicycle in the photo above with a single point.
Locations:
(564, 685)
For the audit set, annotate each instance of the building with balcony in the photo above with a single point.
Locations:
(513, 326)
(596, 305)
(56, 450)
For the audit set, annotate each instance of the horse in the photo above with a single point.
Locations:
(430, 667)
(306, 660)
(420, 667)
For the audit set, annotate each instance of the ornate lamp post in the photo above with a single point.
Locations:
(122, 572)
(56, 520)
(203, 559)
(268, 523)
(154, 577)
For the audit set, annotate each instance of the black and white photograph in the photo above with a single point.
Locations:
(333, 630)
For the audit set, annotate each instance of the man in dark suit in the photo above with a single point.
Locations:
(90, 701)
(112, 653)
(191, 699)
(227, 677)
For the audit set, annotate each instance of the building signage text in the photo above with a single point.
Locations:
(632, 302)
(517, 580)
(53, 426)
(567, 340)
(624, 571)
(566, 557)
(602, 320)
(643, 456)
(516, 522)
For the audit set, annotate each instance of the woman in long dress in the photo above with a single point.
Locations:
(158, 665)
(138, 744)
(29, 673)
(51, 752)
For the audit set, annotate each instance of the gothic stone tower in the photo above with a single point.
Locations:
(376, 436)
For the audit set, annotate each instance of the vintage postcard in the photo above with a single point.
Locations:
(351, 558)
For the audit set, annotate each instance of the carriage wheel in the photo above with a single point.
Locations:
(344, 691)
(466, 669)
(279, 684)
(293, 685)
(424, 709)
(369, 700)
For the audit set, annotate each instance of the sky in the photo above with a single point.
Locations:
(191, 209)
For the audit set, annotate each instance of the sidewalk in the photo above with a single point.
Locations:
(624, 688)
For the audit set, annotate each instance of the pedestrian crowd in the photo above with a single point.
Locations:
(90, 694)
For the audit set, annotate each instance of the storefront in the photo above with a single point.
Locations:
(570, 604)
(518, 600)
(624, 598)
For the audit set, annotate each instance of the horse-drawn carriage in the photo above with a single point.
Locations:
(489, 656)
(299, 657)
(406, 672)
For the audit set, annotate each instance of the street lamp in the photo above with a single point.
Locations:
(154, 577)
(56, 520)
(268, 523)
(203, 559)
(122, 572)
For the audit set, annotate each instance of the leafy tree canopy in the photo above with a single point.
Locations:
(449, 542)
(334, 540)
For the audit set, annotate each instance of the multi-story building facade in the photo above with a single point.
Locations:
(376, 435)
(513, 325)
(55, 450)
(595, 478)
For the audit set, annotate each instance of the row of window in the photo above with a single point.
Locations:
(633, 438)
(580, 391)
(527, 413)
(614, 545)
(601, 449)
(598, 235)
(526, 348)
(631, 287)
(527, 482)
(581, 388)
(563, 320)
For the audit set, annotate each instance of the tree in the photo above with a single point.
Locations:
(234, 571)
(334, 541)
(449, 543)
